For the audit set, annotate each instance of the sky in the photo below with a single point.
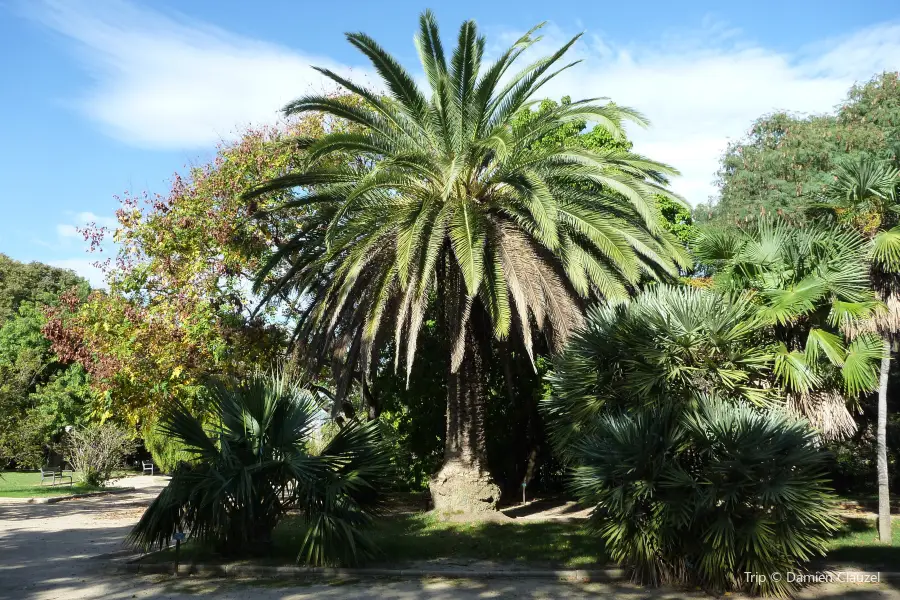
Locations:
(104, 97)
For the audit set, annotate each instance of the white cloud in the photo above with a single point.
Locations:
(163, 81)
(65, 230)
(699, 96)
(84, 267)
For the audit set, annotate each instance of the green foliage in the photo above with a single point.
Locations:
(811, 283)
(39, 396)
(707, 494)
(786, 161)
(413, 412)
(676, 217)
(33, 282)
(166, 451)
(660, 348)
(455, 194)
(253, 465)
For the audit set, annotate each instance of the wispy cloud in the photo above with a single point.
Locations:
(702, 90)
(165, 81)
(66, 230)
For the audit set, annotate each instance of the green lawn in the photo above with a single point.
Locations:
(857, 544)
(422, 537)
(28, 485)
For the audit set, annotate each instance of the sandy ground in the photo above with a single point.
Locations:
(70, 550)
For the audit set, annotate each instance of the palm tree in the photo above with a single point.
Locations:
(663, 347)
(810, 284)
(439, 197)
(255, 463)
(864, 194)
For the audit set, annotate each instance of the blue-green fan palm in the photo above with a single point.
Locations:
(254, 464)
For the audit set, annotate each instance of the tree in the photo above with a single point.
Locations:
(810, 283)
(253, 464)
(442, 199)
(178, 308)
(39, 394)
(786, 161)
(33, 282)
(864, 195)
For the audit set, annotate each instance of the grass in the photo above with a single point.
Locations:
(28, 485)
(420, 537)
(857, 544)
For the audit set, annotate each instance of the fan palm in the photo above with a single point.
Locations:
(864, 193)
(440, 197)
(809, 283)
(705, 494)
(661, 348)
(254, 463)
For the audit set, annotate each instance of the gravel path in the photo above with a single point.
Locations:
(68, 551)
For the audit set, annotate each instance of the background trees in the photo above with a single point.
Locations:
(39, 394)
(787, 161)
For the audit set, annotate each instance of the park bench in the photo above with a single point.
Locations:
(148, 466)
(54, 473)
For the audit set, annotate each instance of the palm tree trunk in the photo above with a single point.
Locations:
(463, 483)
(884, 499)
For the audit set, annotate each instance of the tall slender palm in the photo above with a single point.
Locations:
(864, 194)
(440, 197)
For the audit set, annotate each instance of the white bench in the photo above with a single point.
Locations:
(148, 466)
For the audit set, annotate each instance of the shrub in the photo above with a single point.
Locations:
(705, 494)
(663, 346)
(165, 451)
(95, 451)
(253, 462)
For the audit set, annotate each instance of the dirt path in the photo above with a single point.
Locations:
(66, 551)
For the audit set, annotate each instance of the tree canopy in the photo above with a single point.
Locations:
(786, 160)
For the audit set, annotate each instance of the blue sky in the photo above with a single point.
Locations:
(101, 97)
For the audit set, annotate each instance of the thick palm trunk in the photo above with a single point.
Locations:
(463, 483)
(884, 503)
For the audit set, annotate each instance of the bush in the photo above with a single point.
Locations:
(97, 450)
(253, 462)
(663, 346)
(705, 494)
(165, 451)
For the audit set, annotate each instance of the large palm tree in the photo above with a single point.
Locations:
(438, 197)
(864, 194)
